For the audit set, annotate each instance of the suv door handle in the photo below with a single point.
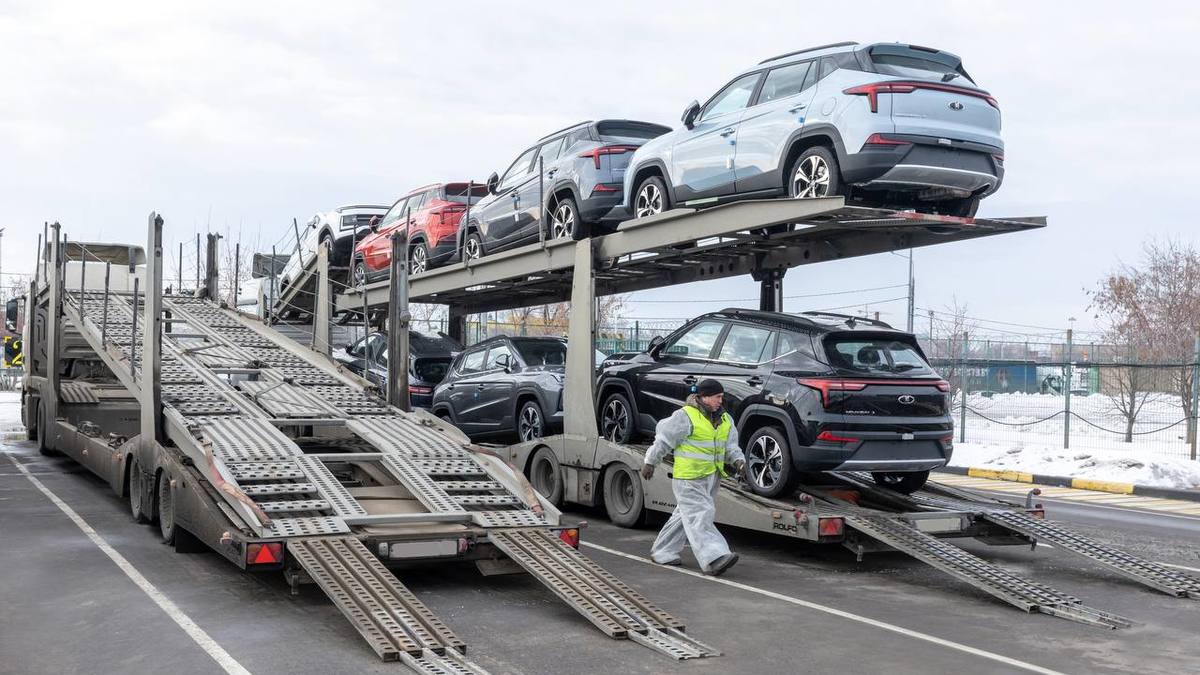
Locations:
(754, 381)
(797, 108)
(479, 386)
(551, 172)
(690, 379)
(727, 131)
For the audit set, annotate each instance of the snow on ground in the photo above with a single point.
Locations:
(10, 411)
(1095, 463)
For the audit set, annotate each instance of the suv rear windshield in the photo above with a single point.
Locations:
(542, 352)
(457, 192)
(875, 356)
(432, 371)
(613, 129)
(908, 62)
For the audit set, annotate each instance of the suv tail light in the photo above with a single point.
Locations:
(880, 139)
(873, 90)
(595, 153)
(826, 386)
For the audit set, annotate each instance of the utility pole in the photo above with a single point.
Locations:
(1195, 395)
(1067, 389)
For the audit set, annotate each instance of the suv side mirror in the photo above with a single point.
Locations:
(655, 343)
(505, 362)
(374, 224)
(493, 182)
(690, 113)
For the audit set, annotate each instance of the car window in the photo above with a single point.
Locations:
(577, 137)
(519, 169)
(375, 344)
(875, 356)
(542, 352)
(393, 213)
(494, 354)
(744, 344)
(415, 202)
(472, 361)
(358, 349)
(785, 81)
(794, 350)
(551, 151)
(381, 359)
(733, 97)
(698, 341)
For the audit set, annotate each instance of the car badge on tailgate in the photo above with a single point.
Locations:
(955, 105)
(907, 399)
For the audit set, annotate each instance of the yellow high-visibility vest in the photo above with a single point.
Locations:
(702, 453)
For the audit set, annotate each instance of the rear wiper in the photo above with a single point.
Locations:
(902, 367)
(949, 76)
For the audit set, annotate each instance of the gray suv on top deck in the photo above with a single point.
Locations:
(892, 124)
(578, 171)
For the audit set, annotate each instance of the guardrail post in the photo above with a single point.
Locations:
(962, 391)
(1067, 393)
(181, 268)
(212, 270)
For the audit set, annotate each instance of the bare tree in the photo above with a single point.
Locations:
(957, 326)
(554, 319)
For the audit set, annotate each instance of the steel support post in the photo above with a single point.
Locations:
(211, 271)
(133, 332)
(104, 310)
(321, 337)
(1069, 368)
(151, 384)
(456, 325)
(197, 261)
(54, 328)
(269, 310)
(962, 390)
(180, 289)
(398, 320)
(1195, 395)
(237, 272)
(579, 398)
(770, 293)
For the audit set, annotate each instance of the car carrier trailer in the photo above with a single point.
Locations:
(763, 239)
(235, 438)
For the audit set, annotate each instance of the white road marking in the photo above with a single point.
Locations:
(837, 612)
(209, 645)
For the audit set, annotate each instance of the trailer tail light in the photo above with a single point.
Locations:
(830, 527)
(833, 438)
(826, 386)
(881, 140)
(595, 153)
(873, 90)
(570, 537)
(265, 553)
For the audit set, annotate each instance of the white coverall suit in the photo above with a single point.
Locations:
(695, 499)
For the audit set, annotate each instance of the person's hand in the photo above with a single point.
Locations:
(647, 471)
(740, 468)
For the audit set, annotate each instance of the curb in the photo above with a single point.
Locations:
(1077, 483)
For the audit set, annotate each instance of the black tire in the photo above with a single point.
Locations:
(418, 258)
(166, 509)
(904, 482)
(646, 202)
(359, 276)
(815, 173)
(545, 474)
(964, 208)
(41, 431)
(616, 419)
(530, 422)
(137, 493)
(624, 498)
(769, 470)
(31, 426)
(565, 221)
(473, 247)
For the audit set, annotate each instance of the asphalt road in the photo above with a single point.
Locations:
(66, 606)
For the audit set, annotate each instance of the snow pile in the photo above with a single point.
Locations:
(1097, 464)
(10, 411)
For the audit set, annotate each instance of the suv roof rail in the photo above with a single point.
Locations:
(849, 318)
(810, 49)
(554, 133)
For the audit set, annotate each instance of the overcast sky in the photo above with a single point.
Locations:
(241, 116)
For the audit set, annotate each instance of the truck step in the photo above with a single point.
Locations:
(391, 619)
(613, 607)
(294, 506)
(1152, 574)
(279, 489)
(305, 527)
(1017, 591)
(265, 470)
(424, 488)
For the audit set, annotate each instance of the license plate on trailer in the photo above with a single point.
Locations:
(422, 549)
(938, 524)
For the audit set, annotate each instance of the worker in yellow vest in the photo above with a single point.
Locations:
(703, 439)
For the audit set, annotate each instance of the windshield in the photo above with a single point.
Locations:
(542, 352)
(431, 371)
(875, 356)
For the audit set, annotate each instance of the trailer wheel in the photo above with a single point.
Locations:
(904, 482)
(137, 493)
(43, 443)
(545, 474)
(166, 509)
(624, 498)
(769, 467)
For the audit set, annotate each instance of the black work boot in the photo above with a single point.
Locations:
(718, 566)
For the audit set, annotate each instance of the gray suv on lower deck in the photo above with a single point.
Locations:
(895, 125)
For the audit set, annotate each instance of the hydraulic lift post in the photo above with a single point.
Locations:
(398, 320)
(770, 292)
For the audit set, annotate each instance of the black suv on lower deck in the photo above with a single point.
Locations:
(808, 392)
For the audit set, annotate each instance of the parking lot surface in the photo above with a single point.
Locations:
(785, 608)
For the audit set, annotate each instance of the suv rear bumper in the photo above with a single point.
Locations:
(923, 163)
(881, 451)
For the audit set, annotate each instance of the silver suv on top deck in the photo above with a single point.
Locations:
(890, 124)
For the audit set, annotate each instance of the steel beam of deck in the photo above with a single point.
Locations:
(685, 245)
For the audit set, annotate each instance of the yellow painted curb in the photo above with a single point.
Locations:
(1001, 475)
(1102, 486)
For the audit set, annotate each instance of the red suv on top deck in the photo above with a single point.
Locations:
(433, 213)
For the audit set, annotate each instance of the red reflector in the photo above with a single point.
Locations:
(942, 385)
(829, 527)
(270, 553)
(414, 389)
(948, 438)
(606, 187)
(570, 537)
(880, 139)
(829, 436)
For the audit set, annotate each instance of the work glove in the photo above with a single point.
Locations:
(647, 471)
(739, 468)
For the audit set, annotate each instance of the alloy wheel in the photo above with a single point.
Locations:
(811, 178)
(764, 462)
(530, 425)
(562, 222)
(472, 249)
(417, 261)
(615, 421)
(649, 201)
(360, 275)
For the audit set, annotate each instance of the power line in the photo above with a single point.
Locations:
(786, 297)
